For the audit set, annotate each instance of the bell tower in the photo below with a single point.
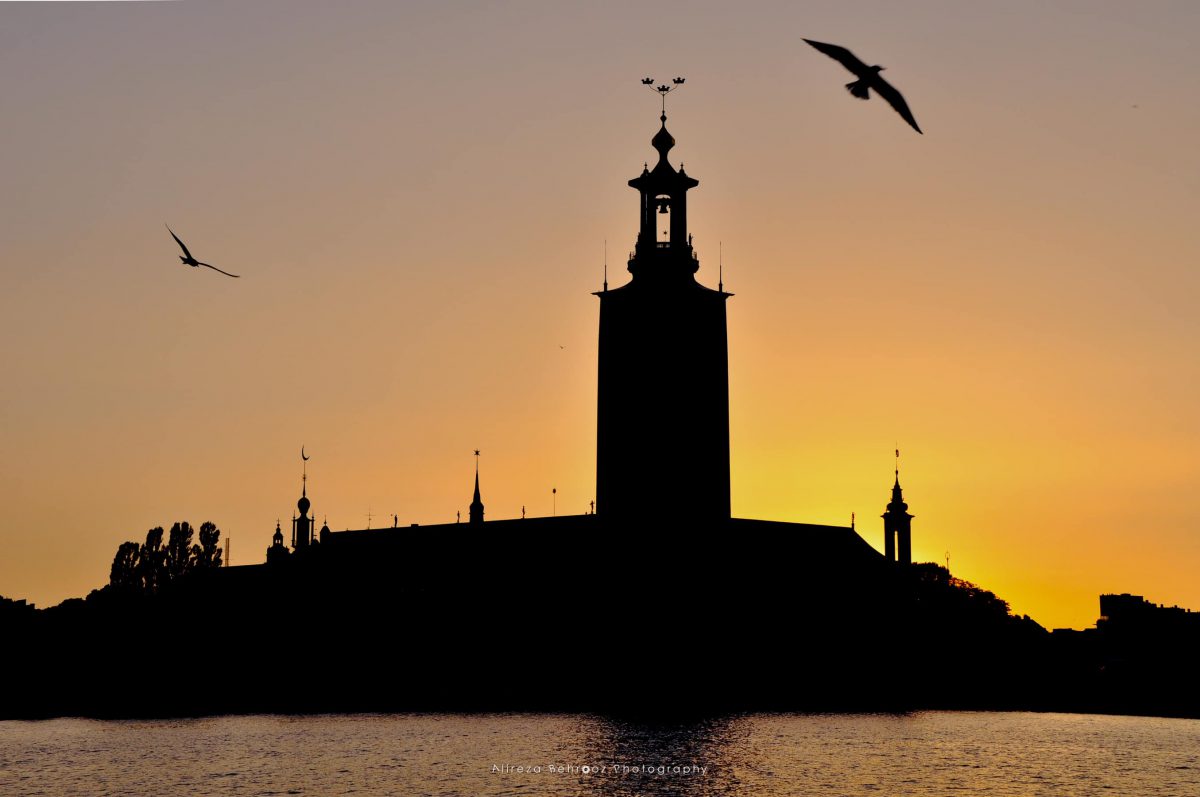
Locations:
(897, 525)
(662, 447)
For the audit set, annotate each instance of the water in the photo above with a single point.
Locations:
(936, 753)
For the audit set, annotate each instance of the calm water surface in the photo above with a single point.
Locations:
(763, 755)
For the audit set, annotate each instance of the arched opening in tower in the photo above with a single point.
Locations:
(663, 236)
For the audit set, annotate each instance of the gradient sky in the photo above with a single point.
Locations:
(417, 196)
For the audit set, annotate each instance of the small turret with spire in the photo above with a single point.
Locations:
(302, 526)
(476, 508)
(278, 552)
(897, 524)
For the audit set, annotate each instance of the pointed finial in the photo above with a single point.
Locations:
(720, 266)
(897, 464)
(304, 472)
(852, 521)
(605, 264)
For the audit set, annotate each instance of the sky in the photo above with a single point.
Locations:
(418, 196)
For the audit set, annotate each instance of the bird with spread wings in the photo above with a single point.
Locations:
(187, 259)
(868, 78)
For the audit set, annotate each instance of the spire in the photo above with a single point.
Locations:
(476, 508)
(897, 494)
(897, 524)
(303, 504)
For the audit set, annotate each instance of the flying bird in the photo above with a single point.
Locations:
(868, 78)
(187, 259)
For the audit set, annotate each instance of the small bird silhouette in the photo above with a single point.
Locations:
(187, 259)
(868, 78)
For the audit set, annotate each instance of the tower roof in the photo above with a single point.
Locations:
(663, 178)
(663, 141)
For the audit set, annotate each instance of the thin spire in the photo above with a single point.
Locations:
(304, 474)
(477, 475)
(475, 511)
(605, 264)
(720, 266)
(897, 493)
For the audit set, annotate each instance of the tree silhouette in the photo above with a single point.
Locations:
(125, 575)
(147, 568)
(208, 553)
(150, 561)
(178, 555)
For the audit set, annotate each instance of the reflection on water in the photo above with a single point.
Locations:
(536, 756)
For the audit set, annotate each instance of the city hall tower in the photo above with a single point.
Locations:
(662, 447)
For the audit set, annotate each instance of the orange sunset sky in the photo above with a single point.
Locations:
(417, 197)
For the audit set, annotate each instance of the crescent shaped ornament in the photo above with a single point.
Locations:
(302, 456)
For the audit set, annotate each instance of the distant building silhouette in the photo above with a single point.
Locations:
(278, 552)
(722, 614)
(897, 528)
(302, 527)
(662, 431)
(1125, 612)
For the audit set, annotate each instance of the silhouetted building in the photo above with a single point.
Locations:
(302, 527)
(278, 552)
(897, 528)
(1127, 612)
(711, 614)
(662, 430)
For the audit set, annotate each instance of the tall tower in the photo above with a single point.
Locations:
(897, 524)
(662, 427)
(476, 508)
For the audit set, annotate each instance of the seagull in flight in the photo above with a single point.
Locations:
(868, 78)
(187, 259)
